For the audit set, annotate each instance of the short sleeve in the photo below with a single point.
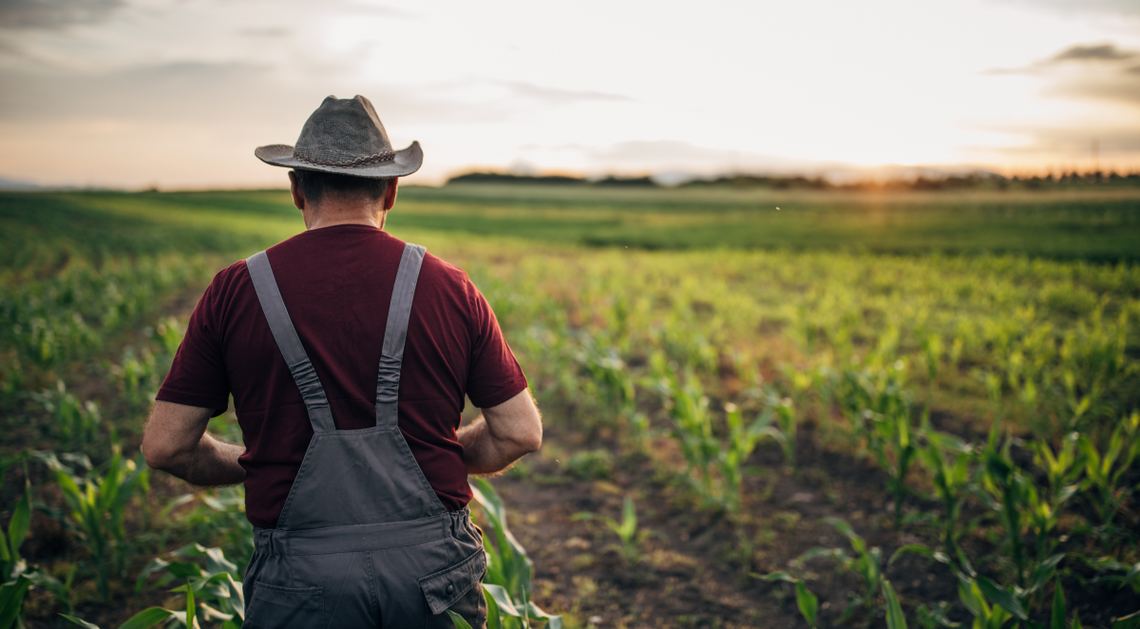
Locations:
(197, 376)
(494, 375)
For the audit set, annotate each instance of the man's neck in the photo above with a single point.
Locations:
(325, 216)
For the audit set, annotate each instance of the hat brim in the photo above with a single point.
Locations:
(403, 163)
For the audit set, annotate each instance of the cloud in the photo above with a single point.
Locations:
(559, 96)
(1100, 52)
(1113, 7)
(53, 14)
(1101, 71)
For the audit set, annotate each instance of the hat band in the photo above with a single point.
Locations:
(386, 156)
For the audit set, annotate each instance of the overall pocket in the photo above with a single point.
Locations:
(275, 607)
(446, 587)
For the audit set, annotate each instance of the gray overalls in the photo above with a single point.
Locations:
(363, 540)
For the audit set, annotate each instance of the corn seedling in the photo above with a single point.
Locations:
(152, 616)
(510, 571)
(1104, 470)
(97, 505)
(629, 536)
(15, 577)
(218, 515)
(807, 602)
(866, 562)
(77, 424)
(895, 617)
(948, 459)
(738, 444)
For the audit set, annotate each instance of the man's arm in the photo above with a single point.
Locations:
(502, 435)
(176, 441)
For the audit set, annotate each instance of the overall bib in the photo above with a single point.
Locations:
(363, 540)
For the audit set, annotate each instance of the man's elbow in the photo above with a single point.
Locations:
(157, 455)
(531, 440)
(160, 454)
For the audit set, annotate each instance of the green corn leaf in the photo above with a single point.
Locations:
(21, 521)
(1002, 597)
(237, 599)
(921, 550)
(1057, 621)
(147, 618)
(1132, 621)
(11, 600)
(1132, 574)
(80, 622)
(895, 618)
(1045, 571)
(857, 543)
(458, 621)
(1076, 621)
(190, 621)
(972, 598)
(494, 616)
(807, 602)
(534, 613)
(152, 567)
(628, 521)
(5, 556)
(780, 576)
(503, 598)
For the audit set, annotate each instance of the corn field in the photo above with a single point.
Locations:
(736, 437)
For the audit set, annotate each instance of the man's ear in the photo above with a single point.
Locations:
(390, 194)
(295, 190)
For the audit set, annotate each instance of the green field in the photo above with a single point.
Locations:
(950, 373)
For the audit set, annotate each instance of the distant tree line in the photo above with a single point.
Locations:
(973, 181)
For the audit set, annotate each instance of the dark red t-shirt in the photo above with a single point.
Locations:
(337, 283)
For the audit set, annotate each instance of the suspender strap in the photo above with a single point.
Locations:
(395, 334)
(316, 403)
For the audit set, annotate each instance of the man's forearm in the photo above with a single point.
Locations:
(482, 453)
(210, 463)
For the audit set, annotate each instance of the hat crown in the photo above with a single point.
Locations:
(343, 131)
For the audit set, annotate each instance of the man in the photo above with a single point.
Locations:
(348, 354)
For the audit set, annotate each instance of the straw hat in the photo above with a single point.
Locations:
(345, 136)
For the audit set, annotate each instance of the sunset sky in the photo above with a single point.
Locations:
(178, 93)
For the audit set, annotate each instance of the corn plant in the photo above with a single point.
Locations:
(875, 400)
(15, 577)
(152, 616)
(1062, 470)
(97, 504)
(629, 536)
(138, 378)
(76, 424)
(1104, 470)
(895, 617)
(783, 409)
(213, 594)
(218, 515)
(807, 602)
(739, 442)
(866, 562)
(948, 460)
(692, 427)
(510, 572)
(215, 590)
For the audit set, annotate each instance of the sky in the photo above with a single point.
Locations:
(176, 94)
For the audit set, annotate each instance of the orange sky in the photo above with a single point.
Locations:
(177, 93)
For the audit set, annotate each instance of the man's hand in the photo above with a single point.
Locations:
(176, 441)
(502, 436)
